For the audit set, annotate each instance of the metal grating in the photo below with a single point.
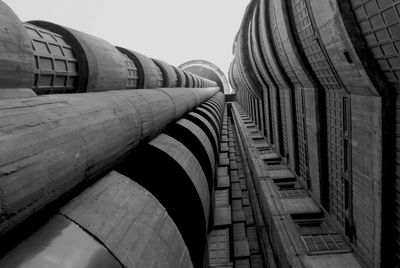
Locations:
(56, 68)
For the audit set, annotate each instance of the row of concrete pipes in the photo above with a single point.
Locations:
(114, 177)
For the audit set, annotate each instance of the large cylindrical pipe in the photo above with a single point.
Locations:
(180, 185)
(52, 143)
(185, 152)
(100, 227)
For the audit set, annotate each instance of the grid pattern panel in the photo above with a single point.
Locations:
(132, 73)
(379, 22)
(56, 68)
(324, 242)
(309, 40)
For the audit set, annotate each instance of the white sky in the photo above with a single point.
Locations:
(171, 30)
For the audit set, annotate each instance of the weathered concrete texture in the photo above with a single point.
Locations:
(16, 55)
(366, 175)
(12, 93)
(185, 154)
(190, 132)
(198, 143)
(212, 119)
(346, 260)
(194, 174)
(206, 126)
(114, 223)
(211, 109)
(50, 144)
(60, 242)
(222, 216)
(130, 222)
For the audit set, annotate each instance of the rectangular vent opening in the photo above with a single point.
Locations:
(272, 162)
(318, 236)
(293, 193)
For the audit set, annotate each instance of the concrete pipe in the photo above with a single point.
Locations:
(52, 143)
(99, 229)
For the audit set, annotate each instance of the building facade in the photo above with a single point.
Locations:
(320, 80)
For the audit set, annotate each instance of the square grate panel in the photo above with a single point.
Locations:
(323, 243)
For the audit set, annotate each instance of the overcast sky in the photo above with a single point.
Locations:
(171, 30)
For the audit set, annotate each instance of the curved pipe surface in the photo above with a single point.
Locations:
(52, 143)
